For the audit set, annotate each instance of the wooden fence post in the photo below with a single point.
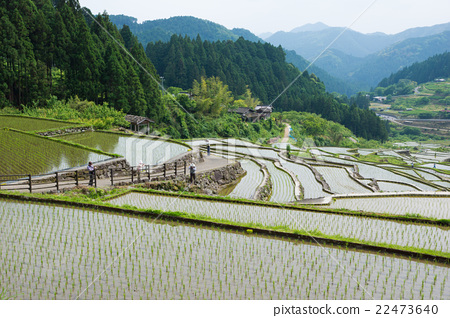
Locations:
(76, 178)
(148, 172)
(176, 166)
(112, 176)
(185, 168)
(165, 170)
(95, 177)
(29, 181)
(57, 181)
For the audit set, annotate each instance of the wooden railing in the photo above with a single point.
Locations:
(70, 179)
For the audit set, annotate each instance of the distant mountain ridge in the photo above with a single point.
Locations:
(362, 60)
(367, 72)
(437, 66)
(354, 43)
(163, 29)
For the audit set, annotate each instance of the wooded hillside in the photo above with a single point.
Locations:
(54, 48)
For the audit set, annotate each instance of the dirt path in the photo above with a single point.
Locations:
(286, 134)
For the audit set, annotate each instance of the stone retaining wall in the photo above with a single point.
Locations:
(264, 191)
(66, 131)
(208, 182)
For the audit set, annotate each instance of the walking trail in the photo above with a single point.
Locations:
(287, 131)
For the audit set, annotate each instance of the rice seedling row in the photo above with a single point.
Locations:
(150, 151)
(339, 180)
(430, 207)
(357, 228)
(27, 154)
(55, 253)
(30, 124)
(282, 184)
(312, 188)
(250, 182)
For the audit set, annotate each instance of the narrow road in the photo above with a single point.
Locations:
(287, 131)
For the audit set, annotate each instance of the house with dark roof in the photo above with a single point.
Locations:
(250, 114)
(136, 122)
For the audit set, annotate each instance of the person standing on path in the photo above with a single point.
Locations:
(91, 170)
(208, 147)
(192, 170)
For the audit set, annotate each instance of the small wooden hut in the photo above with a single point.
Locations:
(136, 122)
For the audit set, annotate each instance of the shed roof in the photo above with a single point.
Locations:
(138, 120)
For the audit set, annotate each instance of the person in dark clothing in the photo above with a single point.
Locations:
(208, 147)
(192, 170)
(91, 170)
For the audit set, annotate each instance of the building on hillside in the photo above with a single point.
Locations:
(249, 114)
(380, 99)
(136, 122)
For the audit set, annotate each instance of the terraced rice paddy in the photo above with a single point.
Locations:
(339, 180)
(258, 152)
(239, 142)
(427, 176)
(336, 150)
(31, 124)
(372, 171)
(365, 152)
(386, 186)
(134, 149)
(282, 184)
(311, 187)
(430, 207)
(438, 166)
(28, 154)
(246, 188)
(445, 184)
(203, 142)
(358, 228)
(57, 252)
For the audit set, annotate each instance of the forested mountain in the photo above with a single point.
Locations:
(49, 48)
(437, 66)
(262, 68)
(163, 29)
(332, 83)
(394, 58)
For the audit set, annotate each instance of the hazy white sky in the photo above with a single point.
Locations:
(258, 16)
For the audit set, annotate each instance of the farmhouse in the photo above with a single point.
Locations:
(249, 114)
(379, 99)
